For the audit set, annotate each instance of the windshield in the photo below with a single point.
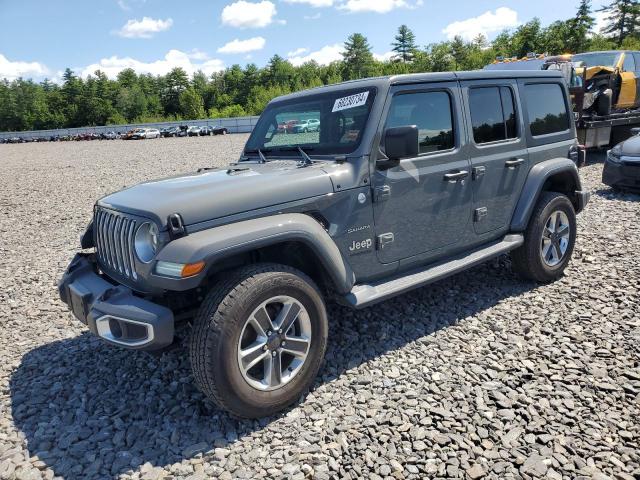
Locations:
(339, 119)
(605, 59)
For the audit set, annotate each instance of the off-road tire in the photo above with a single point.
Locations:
(526, 260)
(213, 345)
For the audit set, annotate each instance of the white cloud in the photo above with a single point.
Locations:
(315, 16)
(197, 54)
(324, 56)
(243, 46)
(313, 3)
(487, 23)
(384, 57)
(174, 58)
(242, 14)
(144, 28)
(123, 5)
(377, 6)
(12, 70)
(297, 52)
(601, 21)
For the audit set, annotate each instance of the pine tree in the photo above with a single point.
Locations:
(357, 55)
(623, 19)
(579, 28)
(404, 45)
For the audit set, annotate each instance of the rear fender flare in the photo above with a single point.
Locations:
(216, 244)
(538, 176)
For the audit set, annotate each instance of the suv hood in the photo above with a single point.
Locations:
(217, 193)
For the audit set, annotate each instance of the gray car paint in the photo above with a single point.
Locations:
(218, 243)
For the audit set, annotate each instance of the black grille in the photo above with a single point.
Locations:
(114, 240)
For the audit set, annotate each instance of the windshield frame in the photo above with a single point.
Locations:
(269, 119)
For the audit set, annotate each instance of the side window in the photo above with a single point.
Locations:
(636, 59)
(493, 114)
(547, 108)
(431, 112)
(629, 65)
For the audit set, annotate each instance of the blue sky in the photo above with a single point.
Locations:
(40, 38)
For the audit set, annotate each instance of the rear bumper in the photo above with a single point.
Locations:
(113, 312)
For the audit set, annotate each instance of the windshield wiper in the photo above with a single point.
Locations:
(306, 159)
(263, 159)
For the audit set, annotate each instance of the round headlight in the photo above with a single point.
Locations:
(146, 242)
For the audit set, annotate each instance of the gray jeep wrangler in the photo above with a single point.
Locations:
(408, 179)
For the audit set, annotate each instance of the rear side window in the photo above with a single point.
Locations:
(636, 58)
(493, 114)
(547, 108)
(431, 112)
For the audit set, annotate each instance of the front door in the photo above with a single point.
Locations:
(424, 203)
(499, 156)
(629, 82)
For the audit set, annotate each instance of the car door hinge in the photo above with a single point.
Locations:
(478, 172)
(479, 214)
(382, 193)
(385, 239)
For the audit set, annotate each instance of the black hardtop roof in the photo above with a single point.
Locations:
(385, 82)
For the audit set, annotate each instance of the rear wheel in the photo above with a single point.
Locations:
(548, 240)
(259, 339)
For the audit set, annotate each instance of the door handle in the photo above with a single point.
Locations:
(455, 176)
(514, 162)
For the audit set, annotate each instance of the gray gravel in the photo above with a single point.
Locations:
(480, 375)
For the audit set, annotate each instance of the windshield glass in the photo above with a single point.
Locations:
(339, 119)
(605, 59)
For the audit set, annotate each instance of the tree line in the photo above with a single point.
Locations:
(239, 91)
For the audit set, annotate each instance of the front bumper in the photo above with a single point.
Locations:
(113, 312)
(623, 175)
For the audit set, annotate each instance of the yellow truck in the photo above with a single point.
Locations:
(604, 88)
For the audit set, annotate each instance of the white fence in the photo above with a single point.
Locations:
(233, 125)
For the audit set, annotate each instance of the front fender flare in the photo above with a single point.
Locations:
(536, 179)
(218, 243)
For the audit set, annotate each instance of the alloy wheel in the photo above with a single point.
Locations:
(274, 343)
(555, 238)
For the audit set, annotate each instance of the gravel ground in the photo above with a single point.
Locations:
(478, 375)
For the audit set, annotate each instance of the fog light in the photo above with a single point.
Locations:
(179, 270)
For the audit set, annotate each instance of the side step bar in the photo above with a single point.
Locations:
(365, 295)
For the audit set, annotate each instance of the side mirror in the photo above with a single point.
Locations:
(401, 142)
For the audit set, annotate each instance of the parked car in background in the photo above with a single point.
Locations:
(304, 126)
(219, 130)
(193, 131)
(109, 135)
(287, 127)
(129, 135)
(143, 133)
(170, 132)
(622, 165)
(206, 131)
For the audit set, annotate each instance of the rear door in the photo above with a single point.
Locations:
(499, 157)
(424, 203)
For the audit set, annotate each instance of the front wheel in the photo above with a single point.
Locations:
(548, 240)
(259, 339)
